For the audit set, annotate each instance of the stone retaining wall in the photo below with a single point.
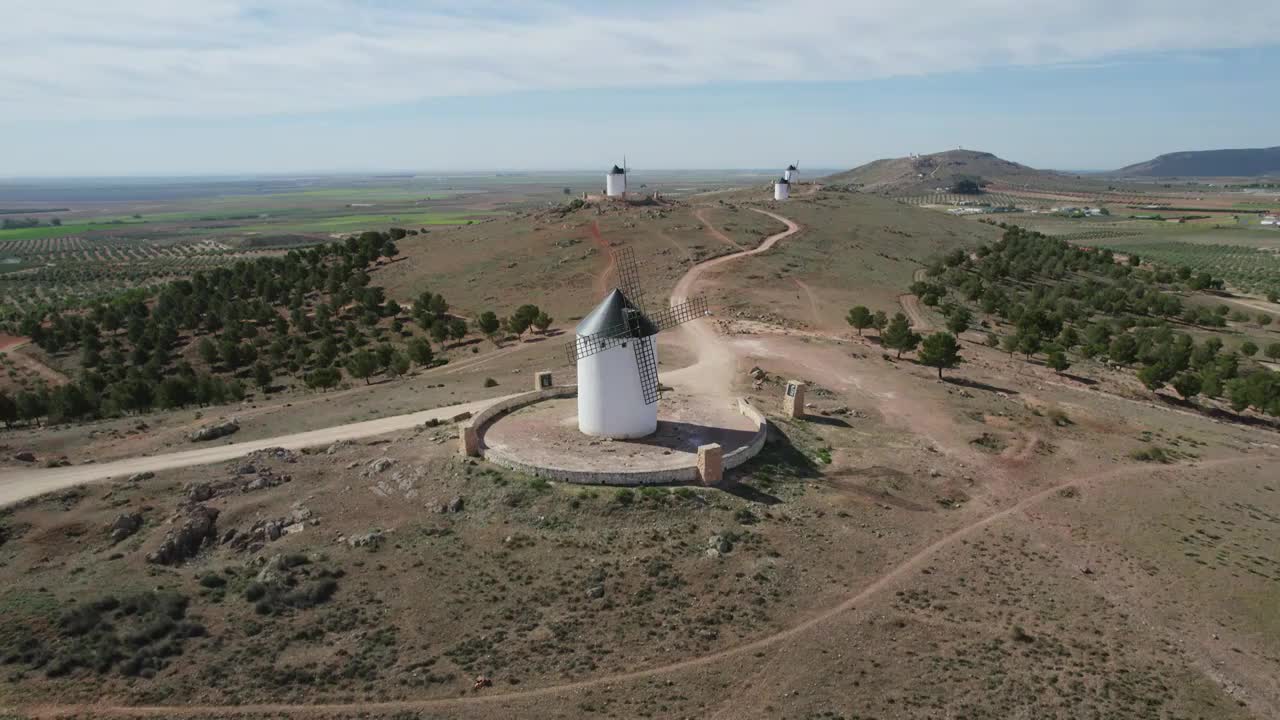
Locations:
(665, 476)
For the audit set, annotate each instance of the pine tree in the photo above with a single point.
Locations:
(899, 336)
(1058, 361)
(362, 364)
(262, 376)
(398, 366)
(940, 350)
(1188, 385)
(860, 318)
(959, 320)
(420, 351)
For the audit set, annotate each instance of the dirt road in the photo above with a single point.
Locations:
(46, 373)
(712, 372)
(16, 485)
(911, 305)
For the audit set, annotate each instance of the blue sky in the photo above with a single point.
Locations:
(119, 87)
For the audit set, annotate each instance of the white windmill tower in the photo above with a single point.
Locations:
(617, 357)
(781, 188)
(791, 174)
(615, 182)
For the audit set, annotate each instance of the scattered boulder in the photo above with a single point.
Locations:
(461, 416)
(274, 572)
(24, 456)
(381, 464)
(275, 453)
(139, 477)
(246, 469)
(758, 374)
(371, 540)
(199, 492)
(196, 524)
(215, 430)
(455, 504)
(338, 446)
(595, 592)
(720, 544)
(125, 525)
(265, 479)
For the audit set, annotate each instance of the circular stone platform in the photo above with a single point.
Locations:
(543, 439)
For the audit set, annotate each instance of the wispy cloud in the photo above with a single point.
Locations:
(160, 58)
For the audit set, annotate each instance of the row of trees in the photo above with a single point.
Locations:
(525, 317)
(1059, 300)
(312, 315)
(15, 223)
(939, 350)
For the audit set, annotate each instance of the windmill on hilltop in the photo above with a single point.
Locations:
(617, 356)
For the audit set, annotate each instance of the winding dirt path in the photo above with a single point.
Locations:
(911, 306)
(851, 603)
(714, 366)
(712, 372)
(46, 373)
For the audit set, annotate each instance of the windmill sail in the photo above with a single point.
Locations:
(628, 271)
(647, 365)
(680, 313)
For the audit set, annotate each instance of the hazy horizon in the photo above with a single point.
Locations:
(247, 87)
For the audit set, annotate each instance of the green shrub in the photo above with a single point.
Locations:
(212, 580)
(653, 494)
(135, 635)
(255, 591)
(1152, 454)
(624, 496)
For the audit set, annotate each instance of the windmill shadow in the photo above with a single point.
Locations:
(977, 385)
(686, 437)
(827, 420)
(778, 459)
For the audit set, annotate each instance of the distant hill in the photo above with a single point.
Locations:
(1246, 162)
(925, 173)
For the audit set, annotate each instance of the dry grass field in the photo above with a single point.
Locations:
(1000, 545)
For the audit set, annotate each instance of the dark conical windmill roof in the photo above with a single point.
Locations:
(609, 317)
(617, 171)
(792, 167)
(782, 181)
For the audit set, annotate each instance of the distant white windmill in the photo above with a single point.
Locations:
(791, 174)
(617, 357)
(781, 188)
(615, 182)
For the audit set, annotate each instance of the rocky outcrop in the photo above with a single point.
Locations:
(370, 540)
(194, 526)
(214, 431)
(125, 525)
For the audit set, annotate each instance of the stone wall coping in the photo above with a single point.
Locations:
(665, 476)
